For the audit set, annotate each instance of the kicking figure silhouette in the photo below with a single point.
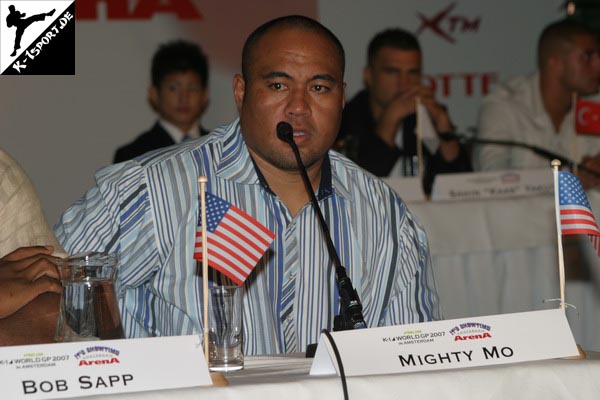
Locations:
(16, 19)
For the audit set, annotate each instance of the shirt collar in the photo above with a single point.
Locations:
(237, 165)
(177, 134)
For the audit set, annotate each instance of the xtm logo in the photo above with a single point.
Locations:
(445, 25)
(37, 37)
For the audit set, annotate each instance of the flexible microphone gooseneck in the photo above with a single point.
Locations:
(351, 316)
(547, 154)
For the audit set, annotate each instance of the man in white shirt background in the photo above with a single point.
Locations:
(539, 110)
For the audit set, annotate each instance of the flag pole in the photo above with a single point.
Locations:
(561, 261)
(202, 180)
(419, 141)
(575, 146)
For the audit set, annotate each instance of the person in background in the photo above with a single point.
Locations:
(379, 123)
(179, 94)
(538, 109)
(146, 210)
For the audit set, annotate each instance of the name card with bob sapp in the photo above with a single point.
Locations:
(76, 369)
(450, 344)
(492, 185)
(410, 189)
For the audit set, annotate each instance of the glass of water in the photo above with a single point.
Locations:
(88, 304)
(225, 328)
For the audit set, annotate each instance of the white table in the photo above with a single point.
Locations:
(500, 256)
(287, 378)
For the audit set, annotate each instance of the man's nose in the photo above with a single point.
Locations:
(403, 83)
(298, 104)
(184, 95)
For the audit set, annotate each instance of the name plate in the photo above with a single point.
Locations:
(410, 189)
(492, 185)
(450, 344)
(61, 370)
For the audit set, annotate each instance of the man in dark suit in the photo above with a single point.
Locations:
(378, 124)
(179, 95)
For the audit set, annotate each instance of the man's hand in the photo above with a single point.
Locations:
(404, 105)
(589, 180)
(398, 109)
(25, 274)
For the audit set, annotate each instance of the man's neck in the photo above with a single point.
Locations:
(288, 185)
(376, 109)
(556, 99)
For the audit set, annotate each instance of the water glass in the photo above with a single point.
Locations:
(225, 328)
(88, 304)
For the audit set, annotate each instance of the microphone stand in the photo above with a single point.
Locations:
(350, 316)
(547, 154)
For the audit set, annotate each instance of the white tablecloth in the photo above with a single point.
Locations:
(500, 256)
(287, 378)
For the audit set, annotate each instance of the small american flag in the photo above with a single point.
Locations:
(576, 216)
(236, 241)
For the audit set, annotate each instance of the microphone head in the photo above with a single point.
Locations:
(285, 132)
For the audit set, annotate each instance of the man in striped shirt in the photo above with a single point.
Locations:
(146, 210)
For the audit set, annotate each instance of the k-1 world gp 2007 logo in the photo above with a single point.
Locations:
(37, 37)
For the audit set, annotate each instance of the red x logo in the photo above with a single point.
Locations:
(434, 23)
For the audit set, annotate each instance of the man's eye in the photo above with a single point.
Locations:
(277, 86)
(320, 88)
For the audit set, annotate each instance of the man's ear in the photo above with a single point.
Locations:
(555, 63)
(239, 90)
(367, 76)
(205, 100)
(153, 97)
(344, 94)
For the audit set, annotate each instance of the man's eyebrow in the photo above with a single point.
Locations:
(275, 74)
(324, 77)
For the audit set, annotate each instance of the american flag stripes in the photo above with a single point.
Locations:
(576, 216)
(236, 241)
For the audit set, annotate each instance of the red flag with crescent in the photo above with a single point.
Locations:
(587, 117)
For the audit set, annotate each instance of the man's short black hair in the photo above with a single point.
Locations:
(291, 21)
(179, 56)
(558, 37)
(395, 38)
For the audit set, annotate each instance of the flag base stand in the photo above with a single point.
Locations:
(218, 379)
(580, 356)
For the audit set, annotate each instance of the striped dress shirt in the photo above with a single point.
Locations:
(146, 211)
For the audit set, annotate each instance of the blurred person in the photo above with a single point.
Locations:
(146, 210)
(179, 94)
(379, 123)
(538, 110)
(29, 281)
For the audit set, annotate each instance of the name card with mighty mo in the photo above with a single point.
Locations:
(449, 344)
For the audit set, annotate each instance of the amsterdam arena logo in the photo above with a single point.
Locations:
(97, 355)
(471, 331)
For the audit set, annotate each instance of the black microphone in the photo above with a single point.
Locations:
(351, 316)
(547, 154)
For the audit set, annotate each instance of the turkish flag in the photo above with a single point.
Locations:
(587, 117)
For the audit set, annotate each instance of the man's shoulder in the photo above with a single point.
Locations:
(356, 116)
(154, 138)
(357, 105)
(361, 182)
(210, 145)
(517, 91)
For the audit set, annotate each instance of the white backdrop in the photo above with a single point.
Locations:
(63, 128)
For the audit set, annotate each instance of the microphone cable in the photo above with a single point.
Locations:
(338, 359)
